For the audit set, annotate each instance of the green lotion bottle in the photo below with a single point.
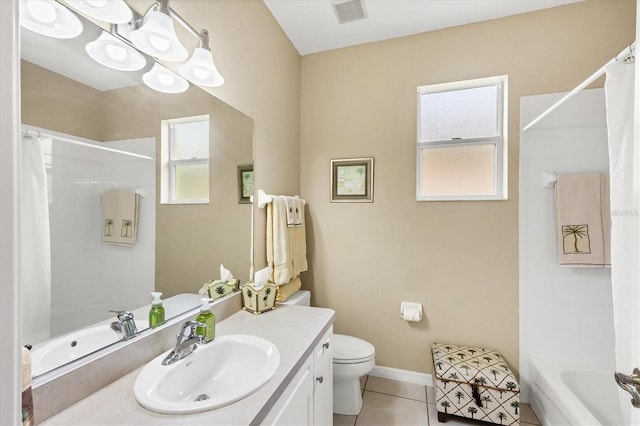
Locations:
(208, 332)
(156, 313)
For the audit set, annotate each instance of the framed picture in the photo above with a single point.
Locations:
(245, 183)
(352, 180)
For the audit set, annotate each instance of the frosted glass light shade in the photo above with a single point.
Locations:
(164, 80)
(157, 37)
(49, 18)
(113, 53)
(113, 11)
(201, 70)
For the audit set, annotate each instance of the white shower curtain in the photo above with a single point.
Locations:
(619, 90)
(35, 251)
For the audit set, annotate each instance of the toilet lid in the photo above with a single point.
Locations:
(349, 349)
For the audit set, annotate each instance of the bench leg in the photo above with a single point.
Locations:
(442, 417)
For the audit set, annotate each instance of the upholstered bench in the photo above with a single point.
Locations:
(475, 383)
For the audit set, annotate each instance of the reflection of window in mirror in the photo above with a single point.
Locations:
(185, 160)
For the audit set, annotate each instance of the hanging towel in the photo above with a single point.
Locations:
(294, 217)
(27, 398)
(583, 220)
(286, 246)
(120, 216)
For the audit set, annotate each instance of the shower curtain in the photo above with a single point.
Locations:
(35, 252)
(623, 148)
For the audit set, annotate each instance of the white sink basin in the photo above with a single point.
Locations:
(216, 374)
(67, 348)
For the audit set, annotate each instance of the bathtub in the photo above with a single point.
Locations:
(564, 394)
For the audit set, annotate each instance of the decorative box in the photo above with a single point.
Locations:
(259, 300)
(218, 288)
(475, 383)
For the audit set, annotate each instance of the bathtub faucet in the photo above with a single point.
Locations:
(125, 325)
(631, 384)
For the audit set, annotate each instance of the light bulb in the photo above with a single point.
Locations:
(42, 11)
(113, 53)
(117, 53)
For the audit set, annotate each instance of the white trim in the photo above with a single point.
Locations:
(10, 403)
(408, 376)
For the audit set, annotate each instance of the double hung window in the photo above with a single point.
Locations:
(462, 143)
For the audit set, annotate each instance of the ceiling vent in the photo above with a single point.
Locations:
(349, 10)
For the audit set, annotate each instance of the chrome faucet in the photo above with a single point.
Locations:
(125, 325)
(186, 342)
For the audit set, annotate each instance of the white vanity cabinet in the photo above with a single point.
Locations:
(308, 400)
(323, 383)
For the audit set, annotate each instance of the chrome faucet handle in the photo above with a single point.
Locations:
(127, 324)
(188, 330)
(122, 315)
(630, 384)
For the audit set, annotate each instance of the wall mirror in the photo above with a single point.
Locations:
(71, 105)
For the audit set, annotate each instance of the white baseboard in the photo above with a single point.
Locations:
(402, 375)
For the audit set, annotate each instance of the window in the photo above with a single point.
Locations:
(462, 143)
(185, 160)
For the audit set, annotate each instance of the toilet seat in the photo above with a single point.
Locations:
(351, 350)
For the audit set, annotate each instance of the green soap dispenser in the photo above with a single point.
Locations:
(208, 332)
(156, 313)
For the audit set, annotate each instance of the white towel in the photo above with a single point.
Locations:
(583, 220)
(294, 217)
(120, 216)
(286, 246)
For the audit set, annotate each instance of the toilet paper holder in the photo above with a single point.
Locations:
(410, 311)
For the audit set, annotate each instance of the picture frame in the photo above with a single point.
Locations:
(245, 183)
(352, 180)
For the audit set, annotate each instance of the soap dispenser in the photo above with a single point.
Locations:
(208, 332)
(156, 313)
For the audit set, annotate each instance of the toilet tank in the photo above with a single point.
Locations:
(300, 298)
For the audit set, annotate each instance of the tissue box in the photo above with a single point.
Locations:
(475, 383)
(260, 300)
(219, 288)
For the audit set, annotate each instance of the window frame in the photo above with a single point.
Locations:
(169, 163)
(500, 182)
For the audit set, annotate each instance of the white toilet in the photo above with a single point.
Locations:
(352, 359)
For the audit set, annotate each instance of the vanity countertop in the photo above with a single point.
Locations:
(295, 330)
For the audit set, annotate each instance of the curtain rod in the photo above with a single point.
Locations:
(626, 53)
(59, 137)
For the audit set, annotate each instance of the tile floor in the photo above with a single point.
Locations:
(388, 402)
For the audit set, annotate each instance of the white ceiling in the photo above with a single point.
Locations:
(312, 26)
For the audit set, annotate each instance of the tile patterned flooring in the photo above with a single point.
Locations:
(388, 402)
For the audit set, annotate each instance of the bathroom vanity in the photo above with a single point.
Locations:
(296, 394)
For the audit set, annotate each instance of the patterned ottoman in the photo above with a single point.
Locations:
(474, 383)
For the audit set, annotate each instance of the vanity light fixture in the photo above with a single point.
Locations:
(157, 36)
(49, 18)
(112, 11)
(201, 69)
(107, 50)
(164, 80)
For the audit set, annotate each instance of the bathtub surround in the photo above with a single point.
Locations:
(565, 313)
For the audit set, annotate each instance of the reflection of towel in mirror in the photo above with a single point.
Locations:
(120, 216)
(27, 399)
(286, 246)
(583, 220)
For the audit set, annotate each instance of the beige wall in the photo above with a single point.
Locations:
(458, 259)
(262, 80)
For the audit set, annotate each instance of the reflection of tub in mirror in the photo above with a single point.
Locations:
(70, 347)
